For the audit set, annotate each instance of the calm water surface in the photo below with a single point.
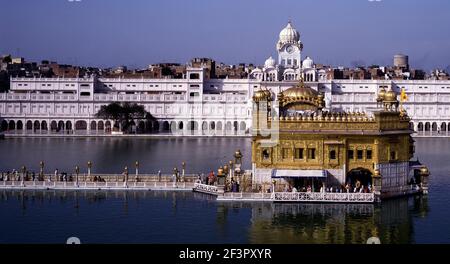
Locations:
(185, 217)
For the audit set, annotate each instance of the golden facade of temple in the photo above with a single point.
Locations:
(297, 142)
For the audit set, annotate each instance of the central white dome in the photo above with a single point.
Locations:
(289, 34)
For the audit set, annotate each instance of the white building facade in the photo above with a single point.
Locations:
(199, 106)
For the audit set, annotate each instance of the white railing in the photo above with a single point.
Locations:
(95, 185)
(206, 188)
(247, 196)
(324, 197)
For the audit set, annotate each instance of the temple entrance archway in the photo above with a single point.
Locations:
(361, 175)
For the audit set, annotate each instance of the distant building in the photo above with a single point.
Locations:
(18, 60)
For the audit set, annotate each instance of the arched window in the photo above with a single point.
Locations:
(332, 154)
(265, 154)
(420, 126)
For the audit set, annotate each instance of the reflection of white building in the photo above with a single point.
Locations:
(195, 105)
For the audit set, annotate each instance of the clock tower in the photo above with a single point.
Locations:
(289, 47)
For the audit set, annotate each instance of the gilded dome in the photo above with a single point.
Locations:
(300, 91)
(301, 97)
(390, 96)
(381, 93)
(262, 95)
(424, 171)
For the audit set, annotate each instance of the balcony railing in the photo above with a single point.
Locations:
(323, 197)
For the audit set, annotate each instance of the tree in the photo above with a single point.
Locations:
(124, 114)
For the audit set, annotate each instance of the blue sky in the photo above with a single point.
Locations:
(140, 32)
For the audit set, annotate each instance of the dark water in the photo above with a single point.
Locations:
(185, 217)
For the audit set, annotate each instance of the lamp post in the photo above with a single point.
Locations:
(220, 176)
(424, 173)
(23, 176)
(125, 176)
(41, 171)
(274, 182)
(377, 182)
(231, 166)
(77, 171)
(226, 170)
(237, 164)
(175, 173)
(136, 164)
(89, 165)
(183, 170)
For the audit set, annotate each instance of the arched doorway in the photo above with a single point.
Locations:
(219, 126)
(68, 125)
(4, 125)
(12, 125)
(166, 126)
(443, 127)
(180, 125)
(44, 125)
(80, 125)
(212, 125)
(60, 125)
(37, 125)
(108, 126)
(361, 175)
(243, 126)
(93, 125)
(53, 125)
(173, 126)
(156, 126)
(204, 126)
(192, 125)
(29, 125)
(235, 126)
(434, 126)
(420, 126)
(427, 126)
(19, 125)
(228, 126)
(100, 125)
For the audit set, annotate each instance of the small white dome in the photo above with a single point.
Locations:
(308, 63)
(289, 34)
(270, 63)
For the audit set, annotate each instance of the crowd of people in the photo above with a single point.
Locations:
(358, 187)
(211, 179)
(15, 175)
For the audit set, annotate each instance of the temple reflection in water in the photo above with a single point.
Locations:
(333, 223)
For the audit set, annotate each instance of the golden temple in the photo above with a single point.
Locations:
(300, 145)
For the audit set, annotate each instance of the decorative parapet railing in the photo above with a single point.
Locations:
(95, 185)
(246, 196)
(324, 197)
(211, 189)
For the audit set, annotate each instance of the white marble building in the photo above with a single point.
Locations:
(200, 106)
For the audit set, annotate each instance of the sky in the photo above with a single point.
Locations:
(136, 33)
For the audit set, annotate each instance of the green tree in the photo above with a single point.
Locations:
(124, 114)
